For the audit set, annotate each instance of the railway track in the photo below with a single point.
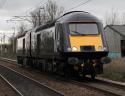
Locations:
(7, 88)
(106, 86)
(111, 88)
(26, 85)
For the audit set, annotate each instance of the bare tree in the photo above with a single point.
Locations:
(112, 17)
(21, 29)
(48, 13)
(60, 11)
(123, 19)
(33, 18)
(53, 10)
(38, 16)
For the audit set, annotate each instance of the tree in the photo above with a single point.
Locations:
(21, 29)
(38, 16)
(53, 10)
(123, 19)
(112, 17)
(44, 14)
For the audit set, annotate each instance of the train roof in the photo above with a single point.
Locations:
(73, 16)
(78, 16)
(47, 25)
(23, 33)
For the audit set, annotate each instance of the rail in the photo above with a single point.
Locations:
(104, 85)
(26, 85)
(10, 85)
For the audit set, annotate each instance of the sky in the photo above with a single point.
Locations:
(11, 8)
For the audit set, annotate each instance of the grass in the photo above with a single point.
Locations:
(9, 55)
(115, 70)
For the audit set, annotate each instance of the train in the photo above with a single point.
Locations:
(72, 45)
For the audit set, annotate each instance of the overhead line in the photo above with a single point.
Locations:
(83, 3)
(28, 10)
(35, 6)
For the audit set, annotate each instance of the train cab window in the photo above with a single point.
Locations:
(83, 29)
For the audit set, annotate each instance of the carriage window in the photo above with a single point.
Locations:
(83, 29)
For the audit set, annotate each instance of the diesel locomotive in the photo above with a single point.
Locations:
(72, 45)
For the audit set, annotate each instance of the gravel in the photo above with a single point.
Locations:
(66, 88)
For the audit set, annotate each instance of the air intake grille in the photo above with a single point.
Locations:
(87, 48)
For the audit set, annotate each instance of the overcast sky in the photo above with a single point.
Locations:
(10, 8)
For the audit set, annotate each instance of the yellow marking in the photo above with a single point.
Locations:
(77, 41)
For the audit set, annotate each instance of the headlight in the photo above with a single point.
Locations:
(69, 49)
(74, 49)
(100, 48)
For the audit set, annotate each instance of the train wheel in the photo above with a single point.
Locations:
(49, 66)
(24, 62)
(43, 66)
(92, 71)
(60, 68)
(83, 75)
(93, 75)
(54, 66)
(67, 71)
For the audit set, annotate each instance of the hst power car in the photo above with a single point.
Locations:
(72, 45)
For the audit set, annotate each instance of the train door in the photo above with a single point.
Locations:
(122, 48)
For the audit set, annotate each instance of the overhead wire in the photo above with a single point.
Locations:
(27, 11)
(35, 6)
(83, 3)
(76, 0)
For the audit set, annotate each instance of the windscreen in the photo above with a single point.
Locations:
(83, 29)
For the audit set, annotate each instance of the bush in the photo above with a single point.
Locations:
(115, 70)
